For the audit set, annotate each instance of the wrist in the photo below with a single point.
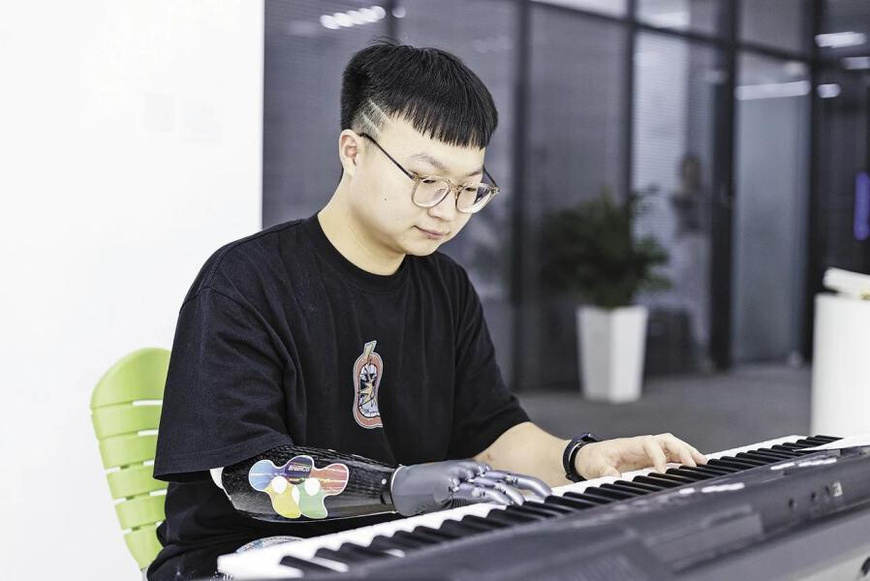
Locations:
(387, 490)
(580, 459)
(571, 455)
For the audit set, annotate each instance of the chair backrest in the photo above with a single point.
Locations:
(125, 410)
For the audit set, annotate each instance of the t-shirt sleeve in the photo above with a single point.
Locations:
(484, 408)
(224, 398)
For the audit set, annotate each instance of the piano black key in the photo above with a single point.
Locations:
(556, 510)
(827, 439)
(346, 557)
(639, 485)
(304, 566)
(714, 470)
(632, 491)
(796, 448)
(749, 461)
(663, 483)
(531, 511)
(734, 463)
(725, 469)
(433, 534)
(774, 453)
(473, 519)
(757, 456)
(420, 538)
(820, 440)
(607, 493)
(779, 456)
(570, 502)
(782, 450)
(460, 529)
(690, 473)
(581, 496)
(511, 518)
(399, 540)
(361, 550)
(383, 543)
(810, 442)
(672, 477)
(785, 455)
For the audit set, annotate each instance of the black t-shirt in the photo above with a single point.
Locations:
(282, 340)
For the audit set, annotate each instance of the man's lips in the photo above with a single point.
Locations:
(432, 233)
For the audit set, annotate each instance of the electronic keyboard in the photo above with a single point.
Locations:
(685, 523)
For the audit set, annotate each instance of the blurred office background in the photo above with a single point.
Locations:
(136, 138)
(744, 123)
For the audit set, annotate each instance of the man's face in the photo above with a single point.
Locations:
(381, 192)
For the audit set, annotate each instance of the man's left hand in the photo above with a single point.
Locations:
(612, 457)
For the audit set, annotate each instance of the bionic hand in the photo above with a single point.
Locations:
(295, 483)
(437, 485)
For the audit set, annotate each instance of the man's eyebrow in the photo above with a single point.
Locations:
(426, 158)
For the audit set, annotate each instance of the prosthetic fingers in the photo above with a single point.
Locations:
(434, 486)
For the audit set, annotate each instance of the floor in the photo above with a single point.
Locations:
(713, 412)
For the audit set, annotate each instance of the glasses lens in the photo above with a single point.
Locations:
(474, 197)
(430, 191)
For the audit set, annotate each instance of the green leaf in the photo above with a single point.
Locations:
(590, 252)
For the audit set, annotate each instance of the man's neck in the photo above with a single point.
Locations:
(353, 242)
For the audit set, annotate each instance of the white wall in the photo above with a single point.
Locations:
(130, 149)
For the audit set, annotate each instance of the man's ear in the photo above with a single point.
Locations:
(349, 149)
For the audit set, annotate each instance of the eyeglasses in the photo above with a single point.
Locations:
(429, 191)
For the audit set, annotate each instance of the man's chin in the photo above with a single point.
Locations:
(422, 249)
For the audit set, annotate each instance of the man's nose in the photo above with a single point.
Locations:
(446, 208)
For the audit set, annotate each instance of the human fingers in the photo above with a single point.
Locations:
(607, 470)
(677, 450)
(654, 452)
(696, 455)
(699, 458)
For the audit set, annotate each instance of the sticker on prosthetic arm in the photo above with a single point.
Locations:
(298, 488)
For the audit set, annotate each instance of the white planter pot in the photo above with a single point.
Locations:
(611, 352)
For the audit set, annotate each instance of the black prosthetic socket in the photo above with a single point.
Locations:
(298, 483)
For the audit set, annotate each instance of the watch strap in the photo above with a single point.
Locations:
(570, 454)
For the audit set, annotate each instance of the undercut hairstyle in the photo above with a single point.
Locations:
(430, 88)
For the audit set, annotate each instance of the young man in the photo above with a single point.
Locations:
(334, 372)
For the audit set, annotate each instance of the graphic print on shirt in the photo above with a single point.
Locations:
(299, 488)
(367, 373)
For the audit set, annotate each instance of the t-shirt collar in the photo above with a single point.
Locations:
(348, 269)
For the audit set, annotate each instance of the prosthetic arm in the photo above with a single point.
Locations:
(296, 483)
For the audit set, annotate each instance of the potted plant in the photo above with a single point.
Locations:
(592, 254)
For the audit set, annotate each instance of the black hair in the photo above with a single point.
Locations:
(429, 87)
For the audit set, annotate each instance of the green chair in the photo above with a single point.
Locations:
(125, 410)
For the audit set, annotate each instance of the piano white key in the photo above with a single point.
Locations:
(334, 565)
(265, 562)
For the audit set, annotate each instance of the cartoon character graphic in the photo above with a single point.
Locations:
(367, 373)
(298, 488)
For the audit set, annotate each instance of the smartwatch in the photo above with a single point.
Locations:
(570, 454)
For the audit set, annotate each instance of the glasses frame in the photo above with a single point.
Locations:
(451, 186)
